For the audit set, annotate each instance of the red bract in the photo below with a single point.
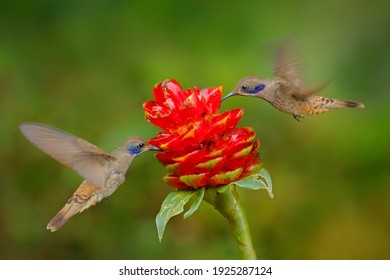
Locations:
(201, 147)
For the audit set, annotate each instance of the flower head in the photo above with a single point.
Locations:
(201, 147)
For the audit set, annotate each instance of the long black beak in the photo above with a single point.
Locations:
(229, 95)
(153, 148)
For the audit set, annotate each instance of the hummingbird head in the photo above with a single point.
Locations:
(248, 86)
(136, 146)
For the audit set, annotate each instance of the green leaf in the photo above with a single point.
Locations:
(264, 174)
(259, 180)
(195, 204)
(172, 206)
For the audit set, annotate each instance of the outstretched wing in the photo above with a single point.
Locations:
(85, 158)
(288, 66)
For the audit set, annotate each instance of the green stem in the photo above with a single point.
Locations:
(227, 202)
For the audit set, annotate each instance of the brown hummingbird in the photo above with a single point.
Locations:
(103, 172)
(286, 90)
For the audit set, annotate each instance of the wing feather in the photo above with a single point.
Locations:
(83, 157)
(288, 66)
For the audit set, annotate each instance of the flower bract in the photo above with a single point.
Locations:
(201, 146)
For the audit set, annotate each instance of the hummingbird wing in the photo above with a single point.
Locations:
(288, 67)
(83, 157)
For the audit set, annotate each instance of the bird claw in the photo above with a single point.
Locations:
(298, 118)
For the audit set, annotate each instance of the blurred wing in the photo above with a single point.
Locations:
(288, 67)
(85, 158)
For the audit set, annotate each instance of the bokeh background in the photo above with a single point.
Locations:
(87, 67)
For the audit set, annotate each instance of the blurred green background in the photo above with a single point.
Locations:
(87, 67)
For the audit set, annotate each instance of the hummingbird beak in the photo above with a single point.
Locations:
(229, 95)
(153, 148)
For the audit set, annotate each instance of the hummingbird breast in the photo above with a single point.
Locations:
(283, 96)
(286, 103)
(117, 173)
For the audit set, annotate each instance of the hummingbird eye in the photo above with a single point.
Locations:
(141, 145)
(244, 87)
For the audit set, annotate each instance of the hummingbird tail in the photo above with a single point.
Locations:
(319, 104)
(60, 219)
(76, 204)
(336, 104)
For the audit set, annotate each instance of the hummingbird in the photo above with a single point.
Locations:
(103, 172)
(286, 90)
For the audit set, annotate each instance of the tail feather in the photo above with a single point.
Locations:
(318, 104)
(71, 208)
(76, 204)
(335, 104)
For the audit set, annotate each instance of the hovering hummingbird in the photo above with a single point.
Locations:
(287, 92)
(103, 172)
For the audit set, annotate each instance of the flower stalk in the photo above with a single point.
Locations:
(226, 201)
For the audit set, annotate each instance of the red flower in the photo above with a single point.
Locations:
(201, 147)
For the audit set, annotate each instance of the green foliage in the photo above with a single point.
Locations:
(256, 181)
(175, 201)
(195, 205)
(174, 205)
